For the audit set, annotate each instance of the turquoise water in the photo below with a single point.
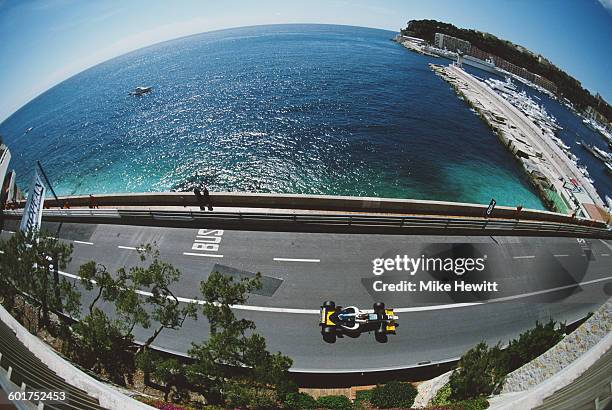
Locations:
(294, 109)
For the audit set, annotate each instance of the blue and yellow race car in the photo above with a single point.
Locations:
(337, 321)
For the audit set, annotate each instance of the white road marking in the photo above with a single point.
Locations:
(9, 231)
(397, 310)
(605, 254)
(296, 260)
(2, 252)
(524, 257)
(84, 243)
(209, 255)
(131, 248)
(560, 256)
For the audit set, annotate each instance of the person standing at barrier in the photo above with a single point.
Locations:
(207, 199)
(92, 202)
(200, 199)
(518, 211)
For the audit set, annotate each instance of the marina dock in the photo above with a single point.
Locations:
(560, 183)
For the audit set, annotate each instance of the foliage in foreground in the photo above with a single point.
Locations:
(232, 368)
(482, 369)
(334, 402)
(299, 401)
(29, 267)
(393, 394)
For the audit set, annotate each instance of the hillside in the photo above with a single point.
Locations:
(567, 85)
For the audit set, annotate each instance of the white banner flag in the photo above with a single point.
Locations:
(32, 213)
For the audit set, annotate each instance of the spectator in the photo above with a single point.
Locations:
(207, 200)
(200, 199)
(92, 201)
(518, 211)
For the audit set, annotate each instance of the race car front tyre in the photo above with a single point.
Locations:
(381, 335)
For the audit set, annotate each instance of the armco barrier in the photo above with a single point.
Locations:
(339, 223)
(317, 203)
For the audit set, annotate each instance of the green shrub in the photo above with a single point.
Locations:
(239, 396)
(442, 396)
(300, 401)
(479, 403)
(334, 402)
(363, 395)
(480, 370)
(393, 394)
(533, 343)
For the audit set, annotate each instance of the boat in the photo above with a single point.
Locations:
(597, 152)
(141, 90)
(609, 201)
(609, 167)
(559, 142)
(583, 170)
(28, 130)
(589, 124)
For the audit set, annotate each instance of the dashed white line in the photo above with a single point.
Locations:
(131, 248)
(560, 256)
(605, 254)
(296, 260)
(397, 310)
(2, 252)
(208, 255)
(84, 243)
(524, 257)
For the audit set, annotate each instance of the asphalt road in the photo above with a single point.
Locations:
(537, 279)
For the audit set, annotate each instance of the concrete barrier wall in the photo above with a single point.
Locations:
(108, 397)
(321, 203)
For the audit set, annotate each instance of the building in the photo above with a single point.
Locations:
(455, 44)
(5, 158)
(450, 43)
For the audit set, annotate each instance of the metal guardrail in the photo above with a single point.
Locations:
(322, 222)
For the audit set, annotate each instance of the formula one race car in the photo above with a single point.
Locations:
(337, 321)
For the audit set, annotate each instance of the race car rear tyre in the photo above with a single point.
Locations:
(329, 304)
(329, 334)
(379, 307)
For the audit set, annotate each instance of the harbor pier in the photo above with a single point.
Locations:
(561, 184)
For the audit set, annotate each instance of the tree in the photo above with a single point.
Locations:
(139, 295)
(158, 277)
(480, 370)
(95, 275)
(103, 344)
(533, 343)
(30, 266)
(233, 365)
(166, 374)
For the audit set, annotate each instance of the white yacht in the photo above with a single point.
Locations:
(141, 90)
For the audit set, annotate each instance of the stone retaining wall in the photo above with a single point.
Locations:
(563, 354)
